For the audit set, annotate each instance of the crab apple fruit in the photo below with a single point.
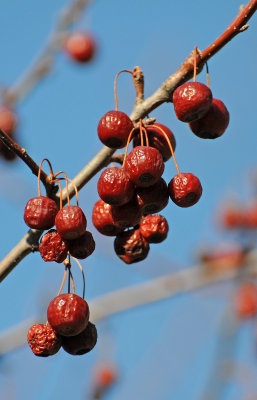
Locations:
(191, 101)
(246, 300)
(80, 46)
(214, 123)
(115, 187)
(114, 128)
(83, 246)
(103, 221)
(43, 340)
(8, 120)
(82, 343)
(153, 198)
(154, 228)
(131, 247)
(40, 212)
(232, 218)
(71, 222)
(157, 139)
(249, 218)
(185, 189)
(52, 247)
(144, 165)
(127, 215)
(68, 314)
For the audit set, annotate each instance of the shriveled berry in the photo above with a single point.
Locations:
(71, 222)
(114, 129)
(103, 220)
(68, 314)
(115, 187)
(43, 340)
(154, 228)
(52, 247)
(191, 101)
(40, 212)
(82, 343)
(185, 189)
(80, 46)
(82, 247)
(127, 215)
(144, 165)
(131, 247)
(246, 300)
(214, 123)
(157, 139)
(154, 198)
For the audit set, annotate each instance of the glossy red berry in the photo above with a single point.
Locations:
(114, 129)
(154, 228)
(82, 247)
(115, 187)
(131, 247)
(82, 343)
(191, 101)
(214, 123)
(80, 46)
(71, 222)
(154, 198)
(43, 340)
(68, 314)
(52, 247)
(185, 189)
(144, 165)
(127, 215)
(40, 213)
(246, 300)
(103, 221)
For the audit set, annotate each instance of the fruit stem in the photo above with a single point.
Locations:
(129, 138)
(60, 186)
(66, 181)
(115, 86)
(64, 278)
(39, 173)
(170, 145)
(195, 54)
(83, 276)
(141, 133)
(208, 75)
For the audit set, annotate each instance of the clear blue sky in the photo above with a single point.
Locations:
(166, 350)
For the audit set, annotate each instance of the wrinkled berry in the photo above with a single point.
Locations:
(114, 186)
(40, 213)
(154, 198)
(82, 247)
(71, 222)
(52, 247)
(185, 189)
(154, 228)
(82, 343)
(131, 247)
(43, 340)
(114, 129)
(103, 221)
(127, 215)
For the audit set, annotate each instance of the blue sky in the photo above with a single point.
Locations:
(166, 350)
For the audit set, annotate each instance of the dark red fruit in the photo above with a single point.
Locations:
(154, 228)
(131, 247)
(114, 129)
(82, 343)
(52, 247)
(83, 246)
(114, 186)
(68, 314)
(40, 213)
(191, 101)
(43, 340)
(103, 220)
(214, 123)
(157, 139)
(185, 189)
(127, 215)
(153, 199)
(71, 222)
(80, 46)
(144, 165)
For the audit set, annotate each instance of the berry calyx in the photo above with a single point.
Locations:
(43, 340)
(191, 101)
(185, 189)
(131, 247)
(68, 314)
(52, 247)
(154, 228)
(154, 198)
(114, 128)
(71, 222)
(115, 187)
(127, 215)
(82, 343)
(80, 46)
(103, 221)
(40, 213)
(82, 247)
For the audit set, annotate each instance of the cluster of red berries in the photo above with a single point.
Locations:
(80, 47)
(8, 123)
(240, 218)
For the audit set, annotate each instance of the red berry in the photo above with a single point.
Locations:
(154, 198)
(191, 101)
(114, 186)
(249, 217)
(80, 46)
(214, 123)
(131, 247)
(83, 246)
(105, 375)
(43, 340)
(232, 218)
(68, 314)
(103, 220)
(157, 139)
(185, 189)
(127, 215)
(52, 247)
(82, 343)
(144, 165)
(71, 222)
(154, 228)
(8, 120)
(114, 129)
(246, 300)
(40, 213)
